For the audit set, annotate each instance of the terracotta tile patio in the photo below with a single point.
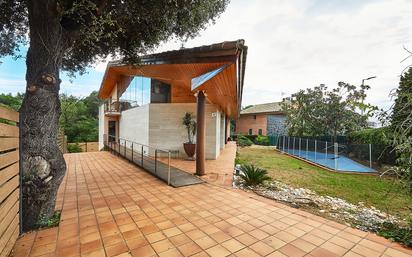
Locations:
(111, 208)
(218, 172)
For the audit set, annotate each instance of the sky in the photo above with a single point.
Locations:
(293, 45)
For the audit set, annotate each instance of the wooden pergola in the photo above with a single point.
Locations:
(213, 73)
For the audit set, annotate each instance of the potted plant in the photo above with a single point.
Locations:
(190, 123)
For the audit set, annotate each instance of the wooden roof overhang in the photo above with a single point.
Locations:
(224, 89)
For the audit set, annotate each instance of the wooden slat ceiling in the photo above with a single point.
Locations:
(221, 89)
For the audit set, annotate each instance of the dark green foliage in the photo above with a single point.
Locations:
(14, 102)
(73, 148)
(252, 175)
(397, 234)
(54, 220)
(262, 140)
(403, 93)
(377, 136)
(243, 141)
(401, 126)
(320, 111)
(79, 118)
(95, 29)
(189, 121)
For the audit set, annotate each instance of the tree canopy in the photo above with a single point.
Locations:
(320, 111)
(72, 35)
(93, 29)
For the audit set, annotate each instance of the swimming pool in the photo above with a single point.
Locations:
(341, 163)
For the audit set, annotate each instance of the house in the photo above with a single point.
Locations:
(145, 103)
(262, 119)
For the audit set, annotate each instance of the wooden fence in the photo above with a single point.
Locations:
(87, 146)
(9, 180)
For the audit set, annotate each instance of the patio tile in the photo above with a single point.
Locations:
(233, 245)
(247, 252)
(261, 248)
(124, 211)
(136, 242)
(217, 251)
(189, 249)
(116, 249)
(162, 246)
(246, 239)
(144, 251)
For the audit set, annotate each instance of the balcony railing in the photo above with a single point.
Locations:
(154, 160)
(116, 107)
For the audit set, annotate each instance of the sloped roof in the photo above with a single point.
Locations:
(263, 108)
(185, 64)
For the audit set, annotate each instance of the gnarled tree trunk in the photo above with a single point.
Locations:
(42, 162)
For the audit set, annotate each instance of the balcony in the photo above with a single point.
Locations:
(116, 107)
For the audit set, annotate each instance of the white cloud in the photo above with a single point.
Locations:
(300, 43)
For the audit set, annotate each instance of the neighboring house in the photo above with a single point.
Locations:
(262, 119)
(145, 103)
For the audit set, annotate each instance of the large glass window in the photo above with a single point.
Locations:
(160, 92)
(142, 90)
(138, 92)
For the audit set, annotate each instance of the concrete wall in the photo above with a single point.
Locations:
(222, 130)
(167, 132)
(134, 125)
(101, 126)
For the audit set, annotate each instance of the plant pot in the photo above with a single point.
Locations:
(189, 149)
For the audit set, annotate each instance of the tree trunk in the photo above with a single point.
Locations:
(43, 165)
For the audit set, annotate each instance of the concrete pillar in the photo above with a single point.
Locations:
(200, 133)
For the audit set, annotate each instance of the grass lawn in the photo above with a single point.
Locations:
(385, 194)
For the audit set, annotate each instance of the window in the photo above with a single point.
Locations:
(254, 117)
(260, 132)
(250, 131)
(160, 92)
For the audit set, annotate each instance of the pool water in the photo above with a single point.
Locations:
(341, 163)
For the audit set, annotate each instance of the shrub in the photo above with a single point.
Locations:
(252, 175)
(74, 148)
(393, 232)
(262, 140)
(376, 136)
(244, 141)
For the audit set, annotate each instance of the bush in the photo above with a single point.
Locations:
(375, 136)
(74, 148)
(244, 141)
(401, 235)
(252, 175)
(262, 140)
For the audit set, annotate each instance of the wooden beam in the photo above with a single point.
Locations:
(200, 133)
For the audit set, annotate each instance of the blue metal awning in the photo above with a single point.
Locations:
(200, 80)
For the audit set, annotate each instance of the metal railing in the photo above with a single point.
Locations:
(333, 155)
(144, 156)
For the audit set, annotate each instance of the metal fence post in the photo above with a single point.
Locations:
(293, 151)
(142, 157)
(370, 156)
(316, 149)
(119, 147)
(307, 147)
(168, 170)
(336, 155)
(326, 151)
(125, 153)
(288, 144)
(132, 152)
(284, 143)
(300, 145)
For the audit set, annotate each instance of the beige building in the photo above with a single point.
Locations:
(146, 103)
